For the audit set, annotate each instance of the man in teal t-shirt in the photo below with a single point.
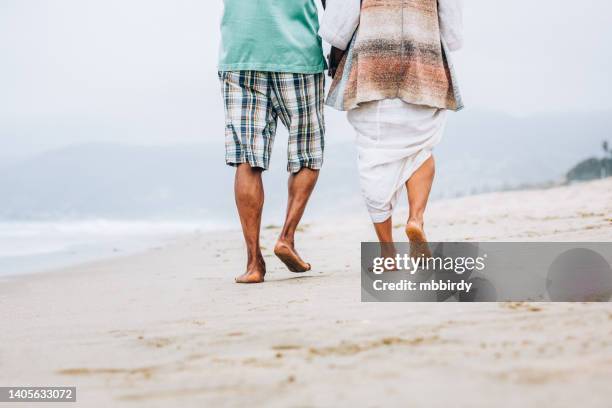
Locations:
(271, 66)
(272, 36)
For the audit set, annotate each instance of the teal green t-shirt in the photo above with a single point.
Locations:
(271, 35)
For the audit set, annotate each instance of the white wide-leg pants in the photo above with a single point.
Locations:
(394, 139)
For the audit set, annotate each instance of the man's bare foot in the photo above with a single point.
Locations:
(255, 273)
(417, 238)
(286, 252)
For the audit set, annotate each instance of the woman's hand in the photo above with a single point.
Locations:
(335, 57)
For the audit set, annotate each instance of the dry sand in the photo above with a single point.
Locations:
(168, 328)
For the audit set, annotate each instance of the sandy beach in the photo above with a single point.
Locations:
(169, 328)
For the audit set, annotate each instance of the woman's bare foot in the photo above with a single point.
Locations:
(387, 250)
(255, 273)
(415, 231)
(285, 251)
(417, 238)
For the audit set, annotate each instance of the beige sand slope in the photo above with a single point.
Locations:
(168, 328)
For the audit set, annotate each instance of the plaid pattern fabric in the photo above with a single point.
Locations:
(254, 101)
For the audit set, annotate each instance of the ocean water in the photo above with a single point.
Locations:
(27, 247)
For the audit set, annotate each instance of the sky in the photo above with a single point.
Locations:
(144, 71)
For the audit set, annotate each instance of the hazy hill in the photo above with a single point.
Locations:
(480, 152)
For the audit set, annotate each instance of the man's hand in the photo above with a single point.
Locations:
(335, 57)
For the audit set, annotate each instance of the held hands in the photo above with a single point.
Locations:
(334, 57)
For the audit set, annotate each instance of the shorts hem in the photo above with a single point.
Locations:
(315, 164)
(253, 163)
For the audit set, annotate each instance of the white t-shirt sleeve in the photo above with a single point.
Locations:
(451, 22)
(339, 22)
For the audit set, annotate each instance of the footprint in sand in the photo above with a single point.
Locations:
(145, 372)
(286, 347)
(125, 333)
(521, 306)
(533, 376)
(156, 342)
(347, 348)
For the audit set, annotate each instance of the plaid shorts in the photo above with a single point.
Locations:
(255, 100)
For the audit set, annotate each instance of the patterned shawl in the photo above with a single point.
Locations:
(397, 52)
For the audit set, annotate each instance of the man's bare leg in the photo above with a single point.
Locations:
(419, 187)
(301, 185)
(249, 192)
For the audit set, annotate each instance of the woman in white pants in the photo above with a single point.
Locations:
(397, 83)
